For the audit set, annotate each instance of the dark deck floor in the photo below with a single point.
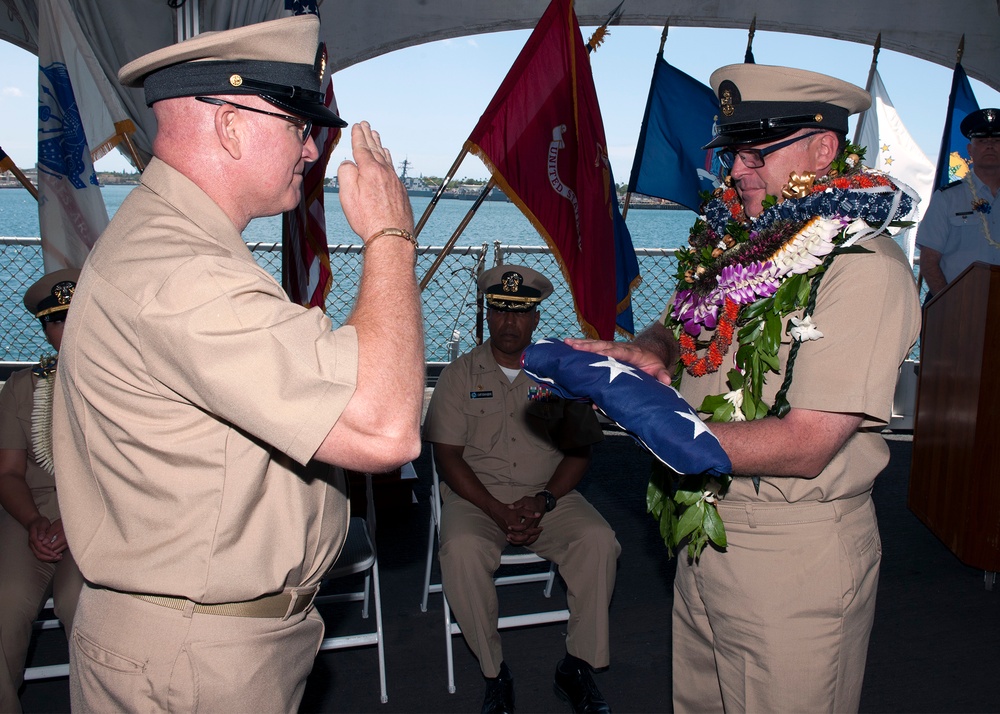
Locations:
(935, 646)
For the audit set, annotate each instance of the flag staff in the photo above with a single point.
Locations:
(440, 190)
(595, 40)
(961, 50)
(458, 232)
(663, 42)
(7, 164)
(748, 57)
(127, 140)
(868, 86)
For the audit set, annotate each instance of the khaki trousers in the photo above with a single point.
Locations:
(130, 655)
(575, 537)
(780, 621)
(25, 583)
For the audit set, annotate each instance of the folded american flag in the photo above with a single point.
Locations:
(652, 412)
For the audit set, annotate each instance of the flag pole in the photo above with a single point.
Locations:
(458, 232)
(598, 37)
(748, 56)
(7, 164)
(437, 194)
(868, 85)
(659, 54)
(133, 152)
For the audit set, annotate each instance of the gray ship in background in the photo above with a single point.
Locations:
(418, 186)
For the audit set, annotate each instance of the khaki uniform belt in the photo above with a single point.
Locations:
(756, 514)
(282, 605)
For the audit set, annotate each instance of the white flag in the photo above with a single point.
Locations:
(72, 116)
(891, 149)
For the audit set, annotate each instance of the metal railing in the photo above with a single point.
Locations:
(449, 301)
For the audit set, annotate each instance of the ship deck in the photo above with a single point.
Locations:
(934, 647)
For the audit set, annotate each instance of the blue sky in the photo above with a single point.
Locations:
(425, 100)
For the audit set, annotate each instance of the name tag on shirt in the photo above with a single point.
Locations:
(488, 394)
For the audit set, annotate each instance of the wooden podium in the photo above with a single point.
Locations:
(955, 474)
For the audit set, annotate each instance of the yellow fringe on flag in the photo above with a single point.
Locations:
(122, 128)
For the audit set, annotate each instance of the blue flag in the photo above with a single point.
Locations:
(627, 276)
(669, 161)
(953, 161)
(650, 411)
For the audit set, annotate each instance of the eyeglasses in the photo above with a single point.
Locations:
(305, 125)
(754, 158)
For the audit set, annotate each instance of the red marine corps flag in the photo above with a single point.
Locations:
(543, 139)
(305, 255)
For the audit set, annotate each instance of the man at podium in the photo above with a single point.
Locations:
(960, 227)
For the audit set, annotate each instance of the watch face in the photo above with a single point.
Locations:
(550, 501)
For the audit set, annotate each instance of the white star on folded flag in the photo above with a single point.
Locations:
(615, 368)
(699, 425)
(654, 414)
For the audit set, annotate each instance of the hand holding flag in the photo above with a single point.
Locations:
(683, 503)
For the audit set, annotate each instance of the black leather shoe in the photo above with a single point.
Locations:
(499, 697)
(574, 684)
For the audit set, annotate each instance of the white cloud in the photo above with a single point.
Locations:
(11, 92)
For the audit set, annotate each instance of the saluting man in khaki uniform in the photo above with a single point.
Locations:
(196, 402)
(511, 454)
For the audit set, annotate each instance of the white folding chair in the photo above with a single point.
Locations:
(520, 557)
(360, 556)
(50, 671)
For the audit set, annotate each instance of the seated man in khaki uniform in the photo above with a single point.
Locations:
(34, 558)
(195, 401)
(510, 455)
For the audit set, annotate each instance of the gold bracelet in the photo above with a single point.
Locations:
(398, 232)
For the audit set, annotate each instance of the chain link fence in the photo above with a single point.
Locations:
(451, 321)
(449, 300)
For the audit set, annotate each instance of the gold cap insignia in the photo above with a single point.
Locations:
(63, 292)
(726, 103)
(511, 282)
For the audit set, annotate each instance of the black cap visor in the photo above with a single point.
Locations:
(759, 122)
(281, 83)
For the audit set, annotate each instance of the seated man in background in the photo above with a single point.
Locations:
(34, 560)
(510, 455)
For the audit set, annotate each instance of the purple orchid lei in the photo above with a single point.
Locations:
(809, 226)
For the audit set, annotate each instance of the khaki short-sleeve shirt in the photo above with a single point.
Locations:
(512, 432)
(16, 405)
(192, 397)
(868, 311)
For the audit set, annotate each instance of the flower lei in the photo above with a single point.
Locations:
(41, 412)
(741, 277)
(982, 207)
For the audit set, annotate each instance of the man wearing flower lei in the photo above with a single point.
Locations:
(794, 310)
(34, 558)
(960, 226)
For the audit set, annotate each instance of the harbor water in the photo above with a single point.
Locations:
(495, 220)
(449, 300)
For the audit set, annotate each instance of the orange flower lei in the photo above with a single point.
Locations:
(717, 348)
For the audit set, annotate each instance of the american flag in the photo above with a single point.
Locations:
(651, 412)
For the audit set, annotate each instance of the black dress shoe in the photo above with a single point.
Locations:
(499, 697)
(574, 684)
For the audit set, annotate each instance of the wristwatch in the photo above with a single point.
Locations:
(550, 500)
